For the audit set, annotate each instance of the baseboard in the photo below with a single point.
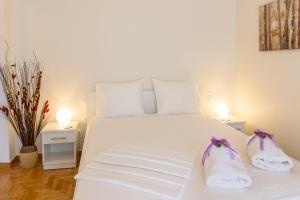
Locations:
(16, 159)
(5, 165)
(10, 164)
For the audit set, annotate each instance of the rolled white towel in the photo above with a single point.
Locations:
(265, 153)
(223, 167)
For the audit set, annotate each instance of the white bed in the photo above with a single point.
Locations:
(181, 133)
(188, 134)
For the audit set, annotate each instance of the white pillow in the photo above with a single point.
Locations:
(119, 99)
(175, 97)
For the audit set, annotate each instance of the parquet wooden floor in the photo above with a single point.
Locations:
(36, 184)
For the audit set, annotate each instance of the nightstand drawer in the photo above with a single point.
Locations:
(54, 138)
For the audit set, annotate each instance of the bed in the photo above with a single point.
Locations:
(188, 134)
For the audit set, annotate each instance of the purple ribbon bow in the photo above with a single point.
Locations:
(263, 135)
(218, 143)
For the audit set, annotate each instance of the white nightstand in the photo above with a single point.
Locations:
(235, 123)
(59, 146)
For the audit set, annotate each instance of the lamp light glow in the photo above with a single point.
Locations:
(64, 116)
(222, 110)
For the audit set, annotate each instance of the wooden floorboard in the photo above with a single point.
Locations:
(36, 184)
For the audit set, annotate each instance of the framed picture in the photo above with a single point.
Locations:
(279, 25)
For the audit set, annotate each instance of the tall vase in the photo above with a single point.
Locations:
(28, 156)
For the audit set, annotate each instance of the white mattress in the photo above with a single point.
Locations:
(189, 134)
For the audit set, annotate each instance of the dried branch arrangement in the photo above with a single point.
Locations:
(21, 86)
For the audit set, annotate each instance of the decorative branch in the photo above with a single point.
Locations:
(22, 86)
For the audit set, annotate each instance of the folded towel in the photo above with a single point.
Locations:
(163, 190)
(157, 174)
(223, 167)
(265, 153)
(170, 155)
(143, 164)
(160, 177)
(168, 160)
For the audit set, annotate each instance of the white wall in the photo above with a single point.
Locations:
(7, 139)
(4, 136)
(82, 41)
(267, 86)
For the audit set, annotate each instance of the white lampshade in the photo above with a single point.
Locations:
(222, 110)
(64, 116)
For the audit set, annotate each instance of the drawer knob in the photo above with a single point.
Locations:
(58, 138)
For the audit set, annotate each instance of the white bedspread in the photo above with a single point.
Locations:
(188, 134)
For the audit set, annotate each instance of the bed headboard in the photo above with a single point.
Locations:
(148, 98)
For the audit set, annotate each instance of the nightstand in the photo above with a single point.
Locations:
(59, 146)
(235, 123)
